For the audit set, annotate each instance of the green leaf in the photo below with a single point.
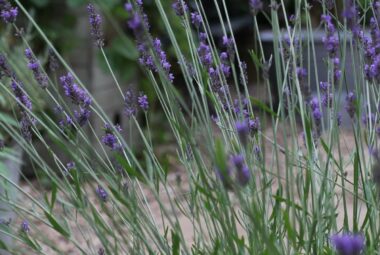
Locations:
(56, 225)
(125, 47)
(176, 243)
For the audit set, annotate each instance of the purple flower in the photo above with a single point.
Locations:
(339, 119)
(21, 97)
(70, 165)
(237, 160)
(130, 107)
(348, 244)
(330, 41)
(256, 6)
(243, 175)
(196, 19)
(128, 7)
(301, 73)
(35, 66)
(205, 55)
(227, 42)
(324, 86)
(242, 130)
(317, 115)
(25, 226)
(102, 194)
(142, 101)
(101, 251)
(52, 60)
(78, 97)
(180, 7)
(254, 125)
(7, 12)
(96, 23)
(351, 104)
(163, 59)
(5, 69)
(110, 139)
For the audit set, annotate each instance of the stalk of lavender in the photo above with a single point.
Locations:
(96, 25)
(35, 66)
(78, 97)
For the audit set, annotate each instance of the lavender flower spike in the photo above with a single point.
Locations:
(96, 22)
(7, 12)
(348, 244)
(256, 6)
(102, 194)
(142, 100)
(180, 7)
(35, 66)
(25, 226)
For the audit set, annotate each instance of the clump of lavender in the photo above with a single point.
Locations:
(78, 97)
(180, 7)
(140, 26)
(25, 226)
(101, 193)
(348, 244)
(7, 12)
(96, 23)
(256, 6)
(109, 138)
(35, 66)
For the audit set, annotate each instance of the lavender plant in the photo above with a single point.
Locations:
(284, 179)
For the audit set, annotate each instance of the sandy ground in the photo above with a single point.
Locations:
(346, 143)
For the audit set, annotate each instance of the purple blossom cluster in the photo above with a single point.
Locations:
(110, 139)
(52, 61)
(351, 15)
(34, 65)
(180, 7)
(138, 23)
(196, 19)
(247, 127)
(243, 174)
(66, 121)
(25, 226)
(25, 105)
(101, 193)
(78, 97)
(5, 70)
(331, 43)
(256, 6)
(22, 99)
(351, 104)
(132, 102)
(7, 12)
(348, 244)
(327, 96)
(96, 25)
